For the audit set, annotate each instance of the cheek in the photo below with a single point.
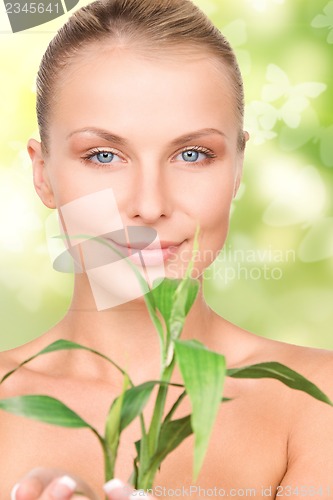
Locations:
(212, 201)
(214, 224)
(70, 182)
(211, 209)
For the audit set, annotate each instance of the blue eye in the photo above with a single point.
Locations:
(101, 157)
(105, 157)
(197, 155)
(190, 155)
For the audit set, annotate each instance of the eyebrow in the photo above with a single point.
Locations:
(110, 137)
(196, 135)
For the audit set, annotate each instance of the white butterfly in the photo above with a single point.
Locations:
(325, 21)
(260, 119)
(279, 86)
(262, 116)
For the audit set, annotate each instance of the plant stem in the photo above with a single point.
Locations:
(108, 462)
(150, 444)
(156, 421)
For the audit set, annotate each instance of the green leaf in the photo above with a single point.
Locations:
(152, 309)
(156, 421)
(135, 399)
(164, 295)
(172, 433)
(112, 427)
(45, 409)
(137, 445)
(142, 459)
(169, 416)
(177, 403)
(174, 298)
(278, 371)
(132, 480)
(203, 372)
(175, 295)
(59, 345)
(184, 298)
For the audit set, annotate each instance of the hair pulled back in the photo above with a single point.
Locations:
(153, 25)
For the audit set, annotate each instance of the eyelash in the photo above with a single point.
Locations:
(200, 149)
(93, 152)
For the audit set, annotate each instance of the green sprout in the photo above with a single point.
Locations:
(203, 372)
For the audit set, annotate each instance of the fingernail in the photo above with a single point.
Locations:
(113, 484)
(62, 486)
(14, 490)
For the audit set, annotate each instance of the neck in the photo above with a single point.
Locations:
(126, 333)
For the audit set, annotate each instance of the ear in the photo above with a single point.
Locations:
(239, 166)
(238, 179)
(40, 177)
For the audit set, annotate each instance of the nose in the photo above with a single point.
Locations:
(149, 197)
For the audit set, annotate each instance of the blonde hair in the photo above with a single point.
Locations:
(147, 24)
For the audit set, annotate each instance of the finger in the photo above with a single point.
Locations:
(35, 483)
(27, 489)
(33, 488)
(61, 488)
(32, 485)
(117, 490)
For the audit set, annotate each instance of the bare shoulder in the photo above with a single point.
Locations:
(13, 358)
(10, 359)
(310, 361)
(308, 422)
(313, 363)
(243, 348)
(310, 442)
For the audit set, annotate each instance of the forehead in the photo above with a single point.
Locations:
(143, 93)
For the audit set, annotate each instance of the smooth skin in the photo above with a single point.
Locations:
(268, 436)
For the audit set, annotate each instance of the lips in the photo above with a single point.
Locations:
(152, 255)
(139, 238)
(138, 243)
(143, 245)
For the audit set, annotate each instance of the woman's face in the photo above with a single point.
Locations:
(160, 134)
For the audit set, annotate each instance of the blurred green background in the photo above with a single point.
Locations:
(275, 274)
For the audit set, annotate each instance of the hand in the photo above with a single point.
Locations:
(51, 484)
(54, 484)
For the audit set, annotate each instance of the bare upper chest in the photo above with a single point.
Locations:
(247, 449)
